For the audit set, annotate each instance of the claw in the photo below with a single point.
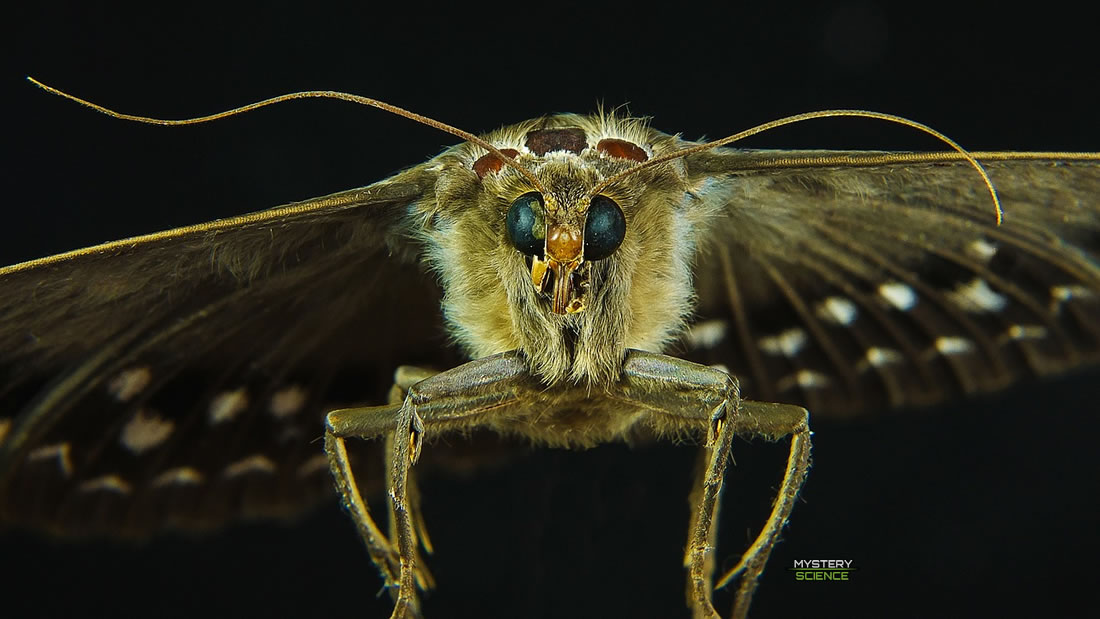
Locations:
(416, 438)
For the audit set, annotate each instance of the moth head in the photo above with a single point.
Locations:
(568, 271)
(562, 228)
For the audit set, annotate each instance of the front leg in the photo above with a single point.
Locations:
(685, 395)
(772, 422)
(461, 398)
(404, 378)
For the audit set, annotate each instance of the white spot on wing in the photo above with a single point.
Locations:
(953, 345)
(5, 427)
(129, 383)
(59, 451)
(287, 401)
(706, 334)
(977, 296)
(788, 343)
(256, 463)
(179, 476)
(317, 463)
(1061, 294)
(877, 356)
(838, 310)
(899, 295)
(106, 483)
(1024, 332)
(982, 249)
(227, 405)
(145, 431)
(806, 379)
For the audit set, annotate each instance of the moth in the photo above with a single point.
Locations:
(539, 275)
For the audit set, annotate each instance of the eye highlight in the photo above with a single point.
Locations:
(525, 225)
(604, 229)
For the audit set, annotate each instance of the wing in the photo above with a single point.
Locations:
(849, 282)
(179, 379)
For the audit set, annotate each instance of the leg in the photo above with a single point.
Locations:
(687, 395)
(404, 378)
(378, 547)
(771, 421)
(695, 500)
(464, 397)
(701, 538)
(379, 420)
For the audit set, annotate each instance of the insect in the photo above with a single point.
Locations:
(563, 248)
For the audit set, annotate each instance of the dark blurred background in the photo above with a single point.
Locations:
(985, 508)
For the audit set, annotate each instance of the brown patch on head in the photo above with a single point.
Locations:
(621, 149)
(564, 242)
(542, 141)
(491, 164)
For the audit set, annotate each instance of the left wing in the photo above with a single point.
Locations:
(180, 379)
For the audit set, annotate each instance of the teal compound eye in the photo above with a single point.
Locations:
(604, 229)
(525, 224)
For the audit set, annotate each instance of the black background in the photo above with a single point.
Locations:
(988, 507)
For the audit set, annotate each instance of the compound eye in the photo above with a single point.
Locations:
(604, 229)
(525, 225)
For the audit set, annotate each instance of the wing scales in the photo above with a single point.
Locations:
(143, 375)
(938, 299)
